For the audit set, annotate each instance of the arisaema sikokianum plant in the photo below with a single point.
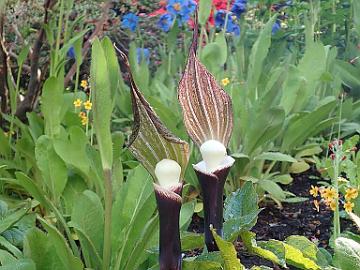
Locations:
(165, 157)
(208, 118)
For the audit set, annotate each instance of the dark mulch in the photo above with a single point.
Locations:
(293, 219)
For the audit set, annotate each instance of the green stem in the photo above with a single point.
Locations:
(337, 228)
(107, 225)
(13, 109)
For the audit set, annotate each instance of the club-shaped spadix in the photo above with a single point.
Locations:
(213, 153)
(168, 173)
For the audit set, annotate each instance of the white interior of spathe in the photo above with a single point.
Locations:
(168, 172)
(213, 153)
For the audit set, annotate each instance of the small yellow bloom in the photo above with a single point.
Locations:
(82, 114)
(84, 84)
(7, 133)
(317, 205)
(351, 193)
(342, 179)
(314, 191)
(84, 121)
(87, 105)
(225, 81)
(348, 206)
(332, 205)
(329, 194)
(77, 103)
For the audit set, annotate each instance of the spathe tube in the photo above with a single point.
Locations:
(169, 205)
(212, 186)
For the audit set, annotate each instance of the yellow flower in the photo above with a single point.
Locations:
(77, 103)
(314, 191)
(317, 205)
(225, 81)
(87, 105)
(348, 206)
(342, 179)
(351, 193)
(84, 120)
(329, 193)
(82, 114)
(332, 205)
(7, 133)
(84, 84)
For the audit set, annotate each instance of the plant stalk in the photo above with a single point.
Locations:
(107, 222)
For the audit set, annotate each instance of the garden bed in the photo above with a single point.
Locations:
(292, 219)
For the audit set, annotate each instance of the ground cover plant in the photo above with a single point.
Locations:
(179, 134)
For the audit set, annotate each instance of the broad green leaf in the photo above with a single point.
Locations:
(186, 213)
(34, 190)
(241, 210)
(258, 54)
(299, 167)
(204, 11)
(6, 258)
(101, 89)
(347, 254)
(206, 261)
(276, 255)
(228, 253)
(51, 103)
(22, 264)
(10, 247)
(307, 247)
(69, 261)
(356, 14)
(11, 219)
(296, 258)
(53, 168)
(74, 188)
(23, 55)
(349, 74)
(272, 188)
(112, 65)
(88, 215)
(72, 150)
(190, 241)
(284, 179)
(275, 156)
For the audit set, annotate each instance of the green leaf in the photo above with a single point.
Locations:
(347, 254)
(11, 219)
(206, 261)
(276, 255)
(228, 253)
(72, 150)
(23, 55)
(296, 258)
(100, 85)
(272, 188)
(276, 156)
(204, 11)
(241, 210)
(191, 241)
(88, 215)
(51, 103)
(66, 257)
(186, 213)
(299, 167)
(53, 168)
(22, 264)
(258, 54)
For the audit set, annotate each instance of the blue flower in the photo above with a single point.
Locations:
(276, 27)
(181, 9)
(165, 22)
(130, 21)
(71, 52)
(231, 25)
(239, 7)
(142, 54)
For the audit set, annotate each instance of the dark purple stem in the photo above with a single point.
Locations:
(212, 186)
(169, 205)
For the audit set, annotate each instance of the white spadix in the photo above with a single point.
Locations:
(168, 172)
(213, 153)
